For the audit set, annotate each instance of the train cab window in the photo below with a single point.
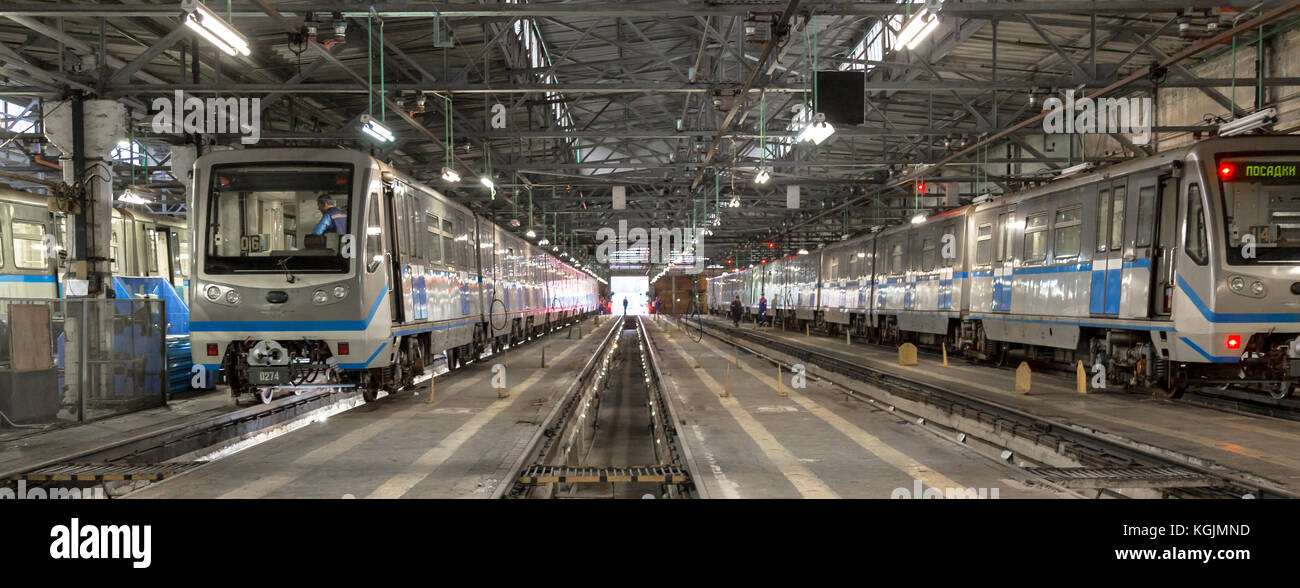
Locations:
(1146, 215)
(374, 236)
(984, 243)
(29, 250)
(1036, 237)
(1068, 227)
(249, 208)
(435, 240)
(1117, 219)
(1197, 247)
(927, 254)
(1263, 206)
(184, 259)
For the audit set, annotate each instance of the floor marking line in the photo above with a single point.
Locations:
(803, 479)
(865, 440)
(423, 466)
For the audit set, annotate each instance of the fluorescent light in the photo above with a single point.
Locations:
(544, 241)
(916, 30)
(763, 176)
(802, 252)
(530, 234)
(918, 219)
(816, 131)
(486, 181)
(450, 175)
(208, 25)
(1074, 169)
(1248, 123)
(376, 129)
(129, 197)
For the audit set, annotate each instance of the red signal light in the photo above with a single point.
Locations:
(920, 188)
(1233, 342)
(1226, 171)
(771, 245)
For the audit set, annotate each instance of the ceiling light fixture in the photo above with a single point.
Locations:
(916, 30)
(450, 175)
(208, 25)
(375, 129)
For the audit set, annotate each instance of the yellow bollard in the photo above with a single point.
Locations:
(780, 388)
(544, 357)
(501, 392)
(1081, 379)
(848, 338)
(430, 400)
(944, 347)
(906, 354)
(726, 386)
(1022, 378)
(697, 361)
(807, 330)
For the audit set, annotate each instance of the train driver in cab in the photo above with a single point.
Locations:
(331, 217)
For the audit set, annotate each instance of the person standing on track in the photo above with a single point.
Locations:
(625, 306)
(762, 310)
(736, 309)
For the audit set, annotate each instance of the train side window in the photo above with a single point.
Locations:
(1067, 232)
(927, 254)
(374, 236)
(29, 252)
(1004, 238)
(112, 250)
(950, 229)
(1103, 213)
(448, 242)
(1036, 237)
(434, 252)
(1146, 215)
(1117, 219)
(896, 263)
(1197, 248)
(984, 243)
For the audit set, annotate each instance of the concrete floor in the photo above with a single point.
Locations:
(400, 446)
(811, 443)
(1263, 446)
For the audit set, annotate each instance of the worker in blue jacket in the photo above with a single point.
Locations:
(331, 217)
(762, 310)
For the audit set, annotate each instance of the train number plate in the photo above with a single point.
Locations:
(268, 376)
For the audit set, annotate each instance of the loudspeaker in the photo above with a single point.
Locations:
(841, 96)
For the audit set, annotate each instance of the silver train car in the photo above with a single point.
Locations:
(1168, 271)
(413, 275)
(142, 245)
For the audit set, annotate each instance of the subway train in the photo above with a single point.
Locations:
(1176, 270)
(142, 245)
(400, 275)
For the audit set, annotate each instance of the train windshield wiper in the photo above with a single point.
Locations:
(284, 265)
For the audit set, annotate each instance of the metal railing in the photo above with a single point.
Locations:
(67, 361)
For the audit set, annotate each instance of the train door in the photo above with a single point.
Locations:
(399, 274)
(1164, 243)
(1138, 268)
(1004, 264)
(1108, 256)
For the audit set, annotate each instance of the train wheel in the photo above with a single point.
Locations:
(1279, 390)
(267, 395)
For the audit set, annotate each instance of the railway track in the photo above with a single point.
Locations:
(1052, 452)
(570, 454)
(172, 450)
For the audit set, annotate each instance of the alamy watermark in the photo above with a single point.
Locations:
(679, 248)
(1130, 116)
(211, 115)
(919, 491)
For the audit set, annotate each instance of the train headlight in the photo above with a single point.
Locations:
(232, 297)
(213, 293)
(340, 292)
(320, 297)
(1257, 288)
(1237, 283)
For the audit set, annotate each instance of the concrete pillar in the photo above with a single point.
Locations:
(86, 132)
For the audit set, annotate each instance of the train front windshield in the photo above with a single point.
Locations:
(278, 218)
(1261, 201)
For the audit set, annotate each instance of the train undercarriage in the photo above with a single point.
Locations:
(261, 368)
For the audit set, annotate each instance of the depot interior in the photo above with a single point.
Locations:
(770, 130)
